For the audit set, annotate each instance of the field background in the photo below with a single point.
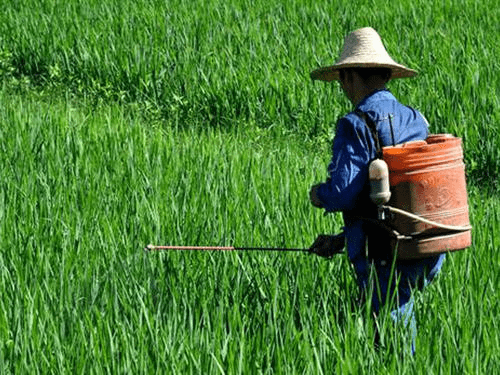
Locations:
(124, 123)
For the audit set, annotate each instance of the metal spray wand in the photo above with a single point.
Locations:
(220, 248)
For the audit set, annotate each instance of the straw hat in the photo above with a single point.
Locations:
(363, 48)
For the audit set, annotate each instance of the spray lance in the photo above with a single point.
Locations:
(218, 248)
(325, 246)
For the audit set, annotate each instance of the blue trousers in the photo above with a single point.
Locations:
(395, 288)
(391, 283)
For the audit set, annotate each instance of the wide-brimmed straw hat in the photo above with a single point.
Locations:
(363, 48)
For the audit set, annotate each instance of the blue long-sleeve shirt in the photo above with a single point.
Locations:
(353, 150)
(354, 147)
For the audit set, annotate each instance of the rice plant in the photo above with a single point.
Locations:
(126, 123)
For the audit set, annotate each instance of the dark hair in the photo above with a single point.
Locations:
(366, 73)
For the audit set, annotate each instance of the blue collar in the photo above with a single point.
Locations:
(377, 95)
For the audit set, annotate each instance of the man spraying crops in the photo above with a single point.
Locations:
(363, 70)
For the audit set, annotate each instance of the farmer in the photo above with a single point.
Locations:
(363, 70)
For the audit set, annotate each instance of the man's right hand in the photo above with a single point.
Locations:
(313, 196)
(328, 245)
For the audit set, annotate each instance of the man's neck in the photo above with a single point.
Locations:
(367, 91)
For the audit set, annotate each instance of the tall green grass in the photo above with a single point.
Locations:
(125, 123)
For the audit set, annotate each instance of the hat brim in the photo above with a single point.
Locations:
(331, 73)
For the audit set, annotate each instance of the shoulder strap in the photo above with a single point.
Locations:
(373, 129)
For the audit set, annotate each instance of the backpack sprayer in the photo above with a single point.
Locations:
(426, 213)
(416, 236)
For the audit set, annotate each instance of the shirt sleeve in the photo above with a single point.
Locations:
(348, 169)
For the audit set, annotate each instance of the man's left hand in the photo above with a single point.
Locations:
(313, 197)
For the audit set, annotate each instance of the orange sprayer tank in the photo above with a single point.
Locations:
(427, 179)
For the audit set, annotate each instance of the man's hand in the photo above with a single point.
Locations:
(327, 245)
(313, 197)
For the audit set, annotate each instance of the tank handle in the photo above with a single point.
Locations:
(453, 228)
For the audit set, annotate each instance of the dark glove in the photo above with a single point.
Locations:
(328, 245)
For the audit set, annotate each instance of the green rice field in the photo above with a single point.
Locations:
(124, 123)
